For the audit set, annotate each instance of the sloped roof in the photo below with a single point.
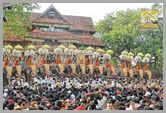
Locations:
(11, 38)
(50, 20)
(77, 22)
(36, 33)
(88, 40)
(40, 18)
(80, 23)
(66, 35)
(34, 16)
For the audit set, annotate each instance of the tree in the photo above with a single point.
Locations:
(153, 41)
(18, 19)
(122, 31)
(119, 32)
(158, 7)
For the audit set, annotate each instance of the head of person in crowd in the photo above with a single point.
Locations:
(68, 104)
(109, 105)
(81, 105)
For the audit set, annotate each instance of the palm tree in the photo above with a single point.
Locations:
(158, 7)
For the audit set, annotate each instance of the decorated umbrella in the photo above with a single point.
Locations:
(90, 48)
(110, 52)
(124, 52)
(82, 48)
(6, 51)
(46, 46)
(129, 59)
(61, 46)
(100, 50)
(130, 54)
(18, 47)
(8, 47)
(140, 54)
(72, 47)
(31, 47)
(148, 55)
(145, 61)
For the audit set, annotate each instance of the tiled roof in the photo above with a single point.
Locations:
(89, 40)
(12, 38)
(80, 23)
(36, 33)
(83, 39)
(49, 20)
(77, 22)
(34, 16)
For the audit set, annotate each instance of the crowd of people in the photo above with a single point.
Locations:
(80, 89)
(83, 92)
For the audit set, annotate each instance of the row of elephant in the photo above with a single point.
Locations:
(72, 68)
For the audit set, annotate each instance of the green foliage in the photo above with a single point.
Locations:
(18, 19)
(159, 7)
(122, 31)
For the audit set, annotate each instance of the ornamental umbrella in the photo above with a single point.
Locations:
(100, 50)
(90, 48)
(46, 46)
(130, 54)
(8, 47)
(110, 52)
(140, 54)
(61, 46)
(124, 52)
(18, 47)
(72, 47)
(147, 55)
(82, 48)
(31, 47)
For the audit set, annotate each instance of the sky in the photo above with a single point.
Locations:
(96, 11)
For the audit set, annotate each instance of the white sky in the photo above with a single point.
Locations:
(94, 10)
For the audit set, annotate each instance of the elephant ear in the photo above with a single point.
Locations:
(45, 51)
(40, 50)
(84, 51)
(145, 60)
(32, 53)
(19, 53)
(138, 58)
(75, 52)
(89, 52)
(26, 53)
(66, 50)
(14, 52)
(60, 51)
(71, 51)
(122, 57)
(106, 56)
(95, 55)
(129, 58)
(56, 50)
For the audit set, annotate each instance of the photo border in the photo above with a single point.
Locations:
(85, 1)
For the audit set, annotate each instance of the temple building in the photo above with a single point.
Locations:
(53, 28)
